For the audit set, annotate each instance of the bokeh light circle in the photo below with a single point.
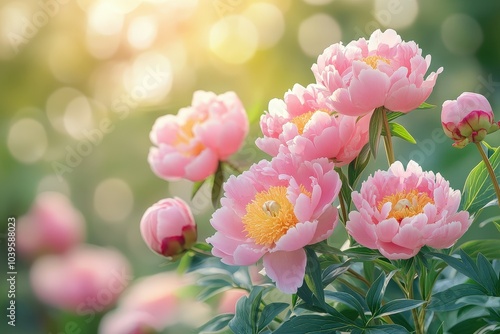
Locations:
(396, 14)
(27, 140)
(113, 200)
(234, 39)
(268, 20)
(461, 34)
(317, 33)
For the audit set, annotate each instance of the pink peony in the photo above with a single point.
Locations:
(190, 144)
(274, 210)
(150, 305)
(400, 211)
(229, 299)
(306, 125)
(87, 279)
(168, 227)
(468, 119)
(52, 225)
(383, 71)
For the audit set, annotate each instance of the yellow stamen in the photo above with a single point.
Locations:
(186, 134)
(373, 60)
(301, 120)
(269, 216)
(406, 204)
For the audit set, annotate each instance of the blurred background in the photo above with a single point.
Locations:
(82, 82)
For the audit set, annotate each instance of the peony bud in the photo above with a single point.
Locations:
(52, 225)
(168, 227)
(468, 119)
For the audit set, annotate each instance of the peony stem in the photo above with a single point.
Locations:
(490, 171)
(343, 208)
(389, 150)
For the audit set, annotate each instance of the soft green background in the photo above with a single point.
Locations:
(94, 57)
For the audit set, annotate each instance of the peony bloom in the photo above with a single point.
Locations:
(400, 211)
(382, 71)
(152, 304)
(85, 280)
(168, 227)
(306, 125)
(52, 225)
(274, 210)
(190, 144)
(468, 119)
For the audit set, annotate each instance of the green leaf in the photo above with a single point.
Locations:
(478, 190)
(398, 306)
(356, 167)
(345, 190)
(386, 329)
(349, 300)
(333, 271)
(489, 278)
(376, 292)
(483, 301)
(447, 300)
(216, 324)
(247, 311)
(392, 115)
(400, 131)
(488, 247)
(470, 325)
(217, 186)
(197, 186)
(468, 268)
(426, 105)
(375, 129)
(369, 270)
(312, 275)
(269, 313)
(311, 324)
(185, 262)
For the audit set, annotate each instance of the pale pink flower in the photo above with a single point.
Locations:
(168, 227)
(305, 124)
(52, 225)
(229, 299)
(273, 211)
(382, 71)
(87, 279)
(190, 144)
(149, 305)
(400, 211)
(468, 119)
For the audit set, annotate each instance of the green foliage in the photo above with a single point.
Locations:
(375, 130)
(478, 191)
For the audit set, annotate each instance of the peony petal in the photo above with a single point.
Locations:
(287, 269)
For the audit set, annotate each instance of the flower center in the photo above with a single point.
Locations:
(269, 216)
(406, 204)
(185, 137)
(301, 120)
(373, 60)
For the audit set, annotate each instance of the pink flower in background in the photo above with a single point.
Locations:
(52, 225)
(86, 279)
(168, 227)
(152, 304)
(400, 211)
(468, 119)
(190, 144)
(382, 71)
(305, 124)
(229, 299)
(272, 211)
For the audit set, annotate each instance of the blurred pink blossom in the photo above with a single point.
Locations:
(381, 71)
(85, 280)
(190, 144)
(272, 211)
(400, 211)
(52, 225)
(468, 119)
(305, 124)
(168, 227)
(229, 299)
(152, 304)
